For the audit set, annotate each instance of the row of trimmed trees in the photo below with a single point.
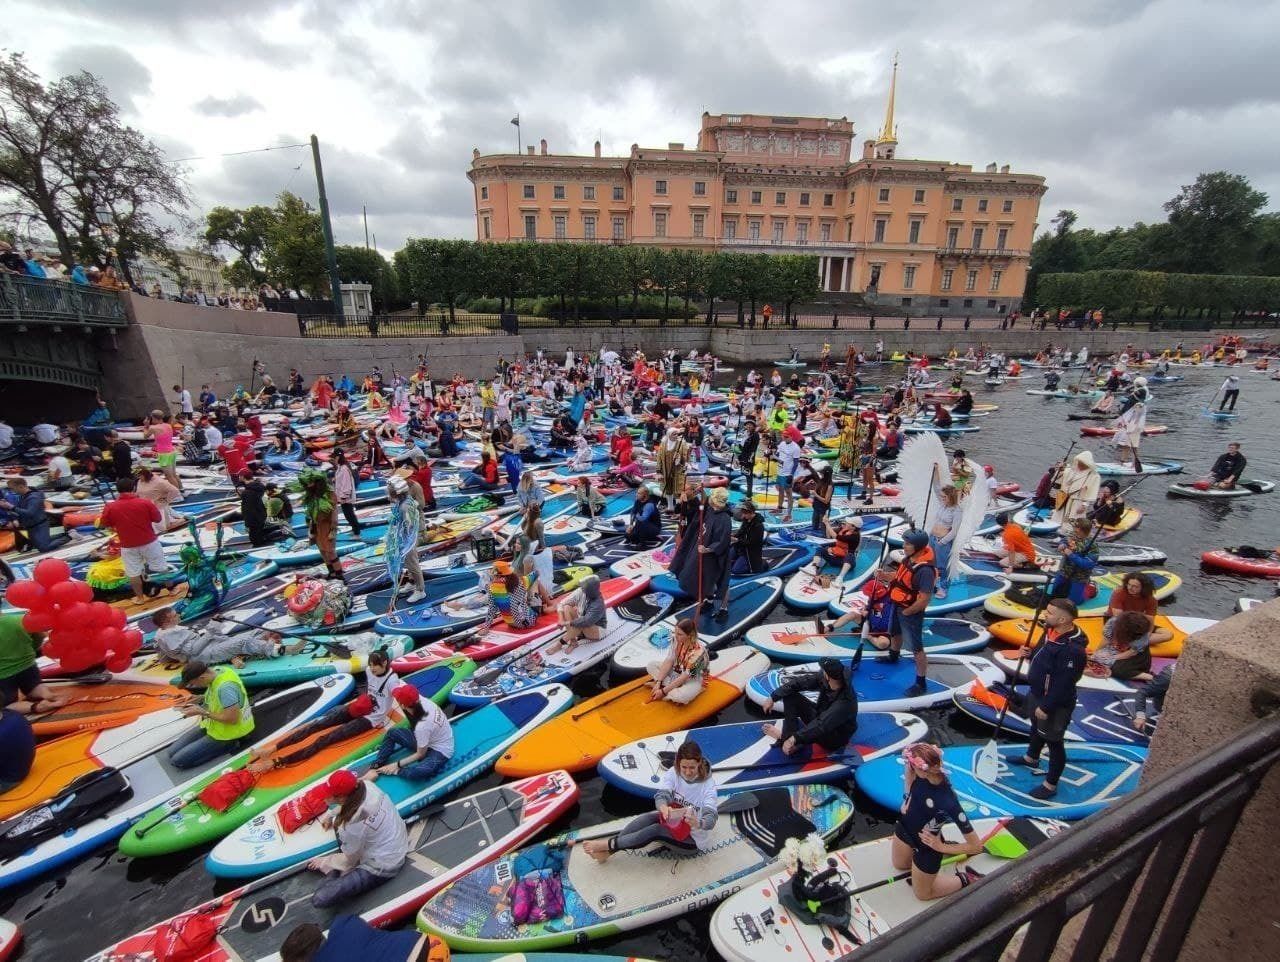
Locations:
(1142, 293)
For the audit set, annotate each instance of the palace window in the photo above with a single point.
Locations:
(486, 228)
(982, 205)
(977, 238)
(557, 192)
(1007, 207)
(971, 280)
(953, 237)
(756, 197)
(881, 224)
(530, 226)
(1002, 237)
(528, 192)
(753, 230)
(589, 227)
(779, 226)
(919, 196)
(619, 228)
(908, 276)
(802, 232)
(699, 188)
(804, 199)
(731, 228)
(560, 226)
(913, 232)
(828, 200)
(659, 223)
(484, 193)
(995, 280)
(699, 224)
(619, 193)
(779, 197)
(884, 195)
(589, 192)
(659, 186)
(730, 196)
(947, 275)
(824, 232)
(957, 203)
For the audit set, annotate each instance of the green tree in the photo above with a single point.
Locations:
(637, 266)
(246, 233)
(797, 281)
(363, 264)
(689, 269)
(294, 254)
(438, 271)
(1215, 223)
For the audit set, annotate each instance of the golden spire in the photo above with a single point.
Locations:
(889, 133)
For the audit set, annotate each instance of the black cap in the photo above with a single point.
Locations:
(832, 668)
(193, 670)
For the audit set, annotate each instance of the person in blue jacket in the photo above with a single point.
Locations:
(1056, 666)
(645, 525)
(27, 518)
(1079, 558)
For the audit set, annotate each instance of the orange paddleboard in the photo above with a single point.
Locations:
(105, 705)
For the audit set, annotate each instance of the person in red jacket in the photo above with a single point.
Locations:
(133, 519)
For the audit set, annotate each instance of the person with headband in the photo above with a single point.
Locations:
(686, 811)
(1056, 666)
(929, 803)
(829, 722)
(373, 841)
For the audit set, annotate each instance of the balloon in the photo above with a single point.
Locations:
(74, 617)
(74, 661)
(26, 594)
(83, 591)
(37, 621)
(132, 640)
(118, 618)
(110, 639)
(67, 593)
(51, 571)
(121, 661)
(99, 614)
(54, 648)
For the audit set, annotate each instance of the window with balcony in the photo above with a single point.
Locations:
(919, 196)
(557, 192)
(530, 226)
(484, 193)
(913, 233)
(560, 226)
(971, 280)
(730, 196)
(730, 229)
(756, 197)
(779, 197)
(659, 223)
(589, 227)
(1002, 238)
(884, 195)
(619, 193)
(995, 280)
(982, 205)
(957, 203)
(824, 233)
(779, 226)
(947, 276)
(977, 238)
(588, 192)
(529, 192)
(908, 277)
(953, 237)
(828, 200)
(881, 226)
(753, 230)
(1007, 207)
(486, 228)
(619, 228)
(804, 198)
(699, 188)
(802, 233)
(659, 186)
(699, 224)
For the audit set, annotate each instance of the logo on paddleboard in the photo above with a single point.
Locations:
(606, 902)
(264, 914)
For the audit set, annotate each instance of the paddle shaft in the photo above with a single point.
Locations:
(341, 650)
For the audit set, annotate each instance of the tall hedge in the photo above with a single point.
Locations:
(1152, 291)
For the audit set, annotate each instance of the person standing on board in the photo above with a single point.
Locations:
(1056, 666)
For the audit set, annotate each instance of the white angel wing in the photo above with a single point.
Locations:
(922, 464)
(972, 510)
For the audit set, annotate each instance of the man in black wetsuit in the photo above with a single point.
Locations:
(1227, 469)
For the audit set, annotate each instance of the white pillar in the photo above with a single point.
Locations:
(822, 271)
(848, 274)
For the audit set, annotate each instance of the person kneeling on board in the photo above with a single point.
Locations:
(686, 810)
(183, 644)
(928, 804)
(428, 740)
(1056, 666)
(351, 937)
(373, 841)
(829, 722)
(226, 717)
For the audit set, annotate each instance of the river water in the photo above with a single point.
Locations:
(76, 911)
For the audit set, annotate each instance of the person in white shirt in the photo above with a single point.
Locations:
(58, 473)
(788, 454)
(46, 433)
(428, 740)
(212, 437)
(6, 436)
(373, 841)
(182, 398)
(687, 810)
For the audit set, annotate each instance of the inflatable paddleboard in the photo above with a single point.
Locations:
(1227, 560)
(1014, 631)
(1103, 713)
(1020, 602)
(1243, 489)
(779, 561)
(965, 591)
(1149, 466)
(10, 938)
(799, 640)
(804, 589)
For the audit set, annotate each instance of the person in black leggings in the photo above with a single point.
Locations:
(1056, 667)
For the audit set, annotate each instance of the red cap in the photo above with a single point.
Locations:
(406, 695)
(360, 706)
(342, 782)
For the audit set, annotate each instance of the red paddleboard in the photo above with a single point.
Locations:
(1095, 431)
(1227, 560)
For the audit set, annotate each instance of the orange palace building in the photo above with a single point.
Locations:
(920, 235)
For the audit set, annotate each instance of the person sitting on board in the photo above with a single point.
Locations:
(1226, 471)
(513, 593)
(1079, 558)
(583, 614)
(1136, 594)
(428, 739)
(1126, 654)
(876, 611)
(928, 804)
(484, 477)
(645, 525)
(373, 842)
(829, 722)
(1150, 700)
(1055, 667)
(680, 677)
(686, 806)
(910, 592)
(843, 551)
(963, 405)
(941, 416)
(1016, 549)
(226, 718)
(1109, 507)
(21, 685)
(363, 713)
(351, 937)
(220, 642)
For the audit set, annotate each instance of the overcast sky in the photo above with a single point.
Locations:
(1116, 102)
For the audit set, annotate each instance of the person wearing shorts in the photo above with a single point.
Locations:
(788, 456)
(134, 519)
(160, 431)
(910, 591)
(928, 804)
(19, 677)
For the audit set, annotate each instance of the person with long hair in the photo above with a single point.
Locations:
(428, 739)
(685, 811)
(681, 676)
(373, 841)
(1136, 595)
(942, 535)
(929, 802)
(320, 510)
(344, 488)
(1126, 654)
(824, 489)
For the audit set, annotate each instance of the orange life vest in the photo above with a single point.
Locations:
(902, 591)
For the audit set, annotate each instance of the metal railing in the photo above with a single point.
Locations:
(1133, 876)
(33, 300)
(431, 324)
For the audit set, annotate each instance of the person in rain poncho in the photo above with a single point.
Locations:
(1077, 488)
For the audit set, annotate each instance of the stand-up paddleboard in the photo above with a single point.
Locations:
(1225, 559)
(1149, 466)
(964, 591)
(320, 658)
(754, 924)
(1248, 604)
(742, 757)
(1096, 776)
(882, 685)
(465, 560)
(1093, 431)
(10, 939)
(1109, 553)
(1243, 489)
(262, 844)
(1036, 520)
(1014, 631)
(749, 601)
(1103, 713)
(800, 641)
(651, 562)
(105, 704)
(1021, 602)
(1220, 415)
(104, 804)
(805, 589)
(538, 664)
(578, 739)
(445, 842)
(779, 562)
(605, 899)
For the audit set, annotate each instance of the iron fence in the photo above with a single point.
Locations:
(34, 300)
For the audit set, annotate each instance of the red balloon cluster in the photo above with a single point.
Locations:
(83, 633)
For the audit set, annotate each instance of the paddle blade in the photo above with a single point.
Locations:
(1004, 845)
(986, 767)
(980, 692)
(1200, 485)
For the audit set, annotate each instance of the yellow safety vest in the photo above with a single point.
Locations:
(221, 731)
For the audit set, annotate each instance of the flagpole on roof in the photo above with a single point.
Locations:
(516, 121)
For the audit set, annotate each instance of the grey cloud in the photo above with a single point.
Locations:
(233, 106)
(122, 72)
